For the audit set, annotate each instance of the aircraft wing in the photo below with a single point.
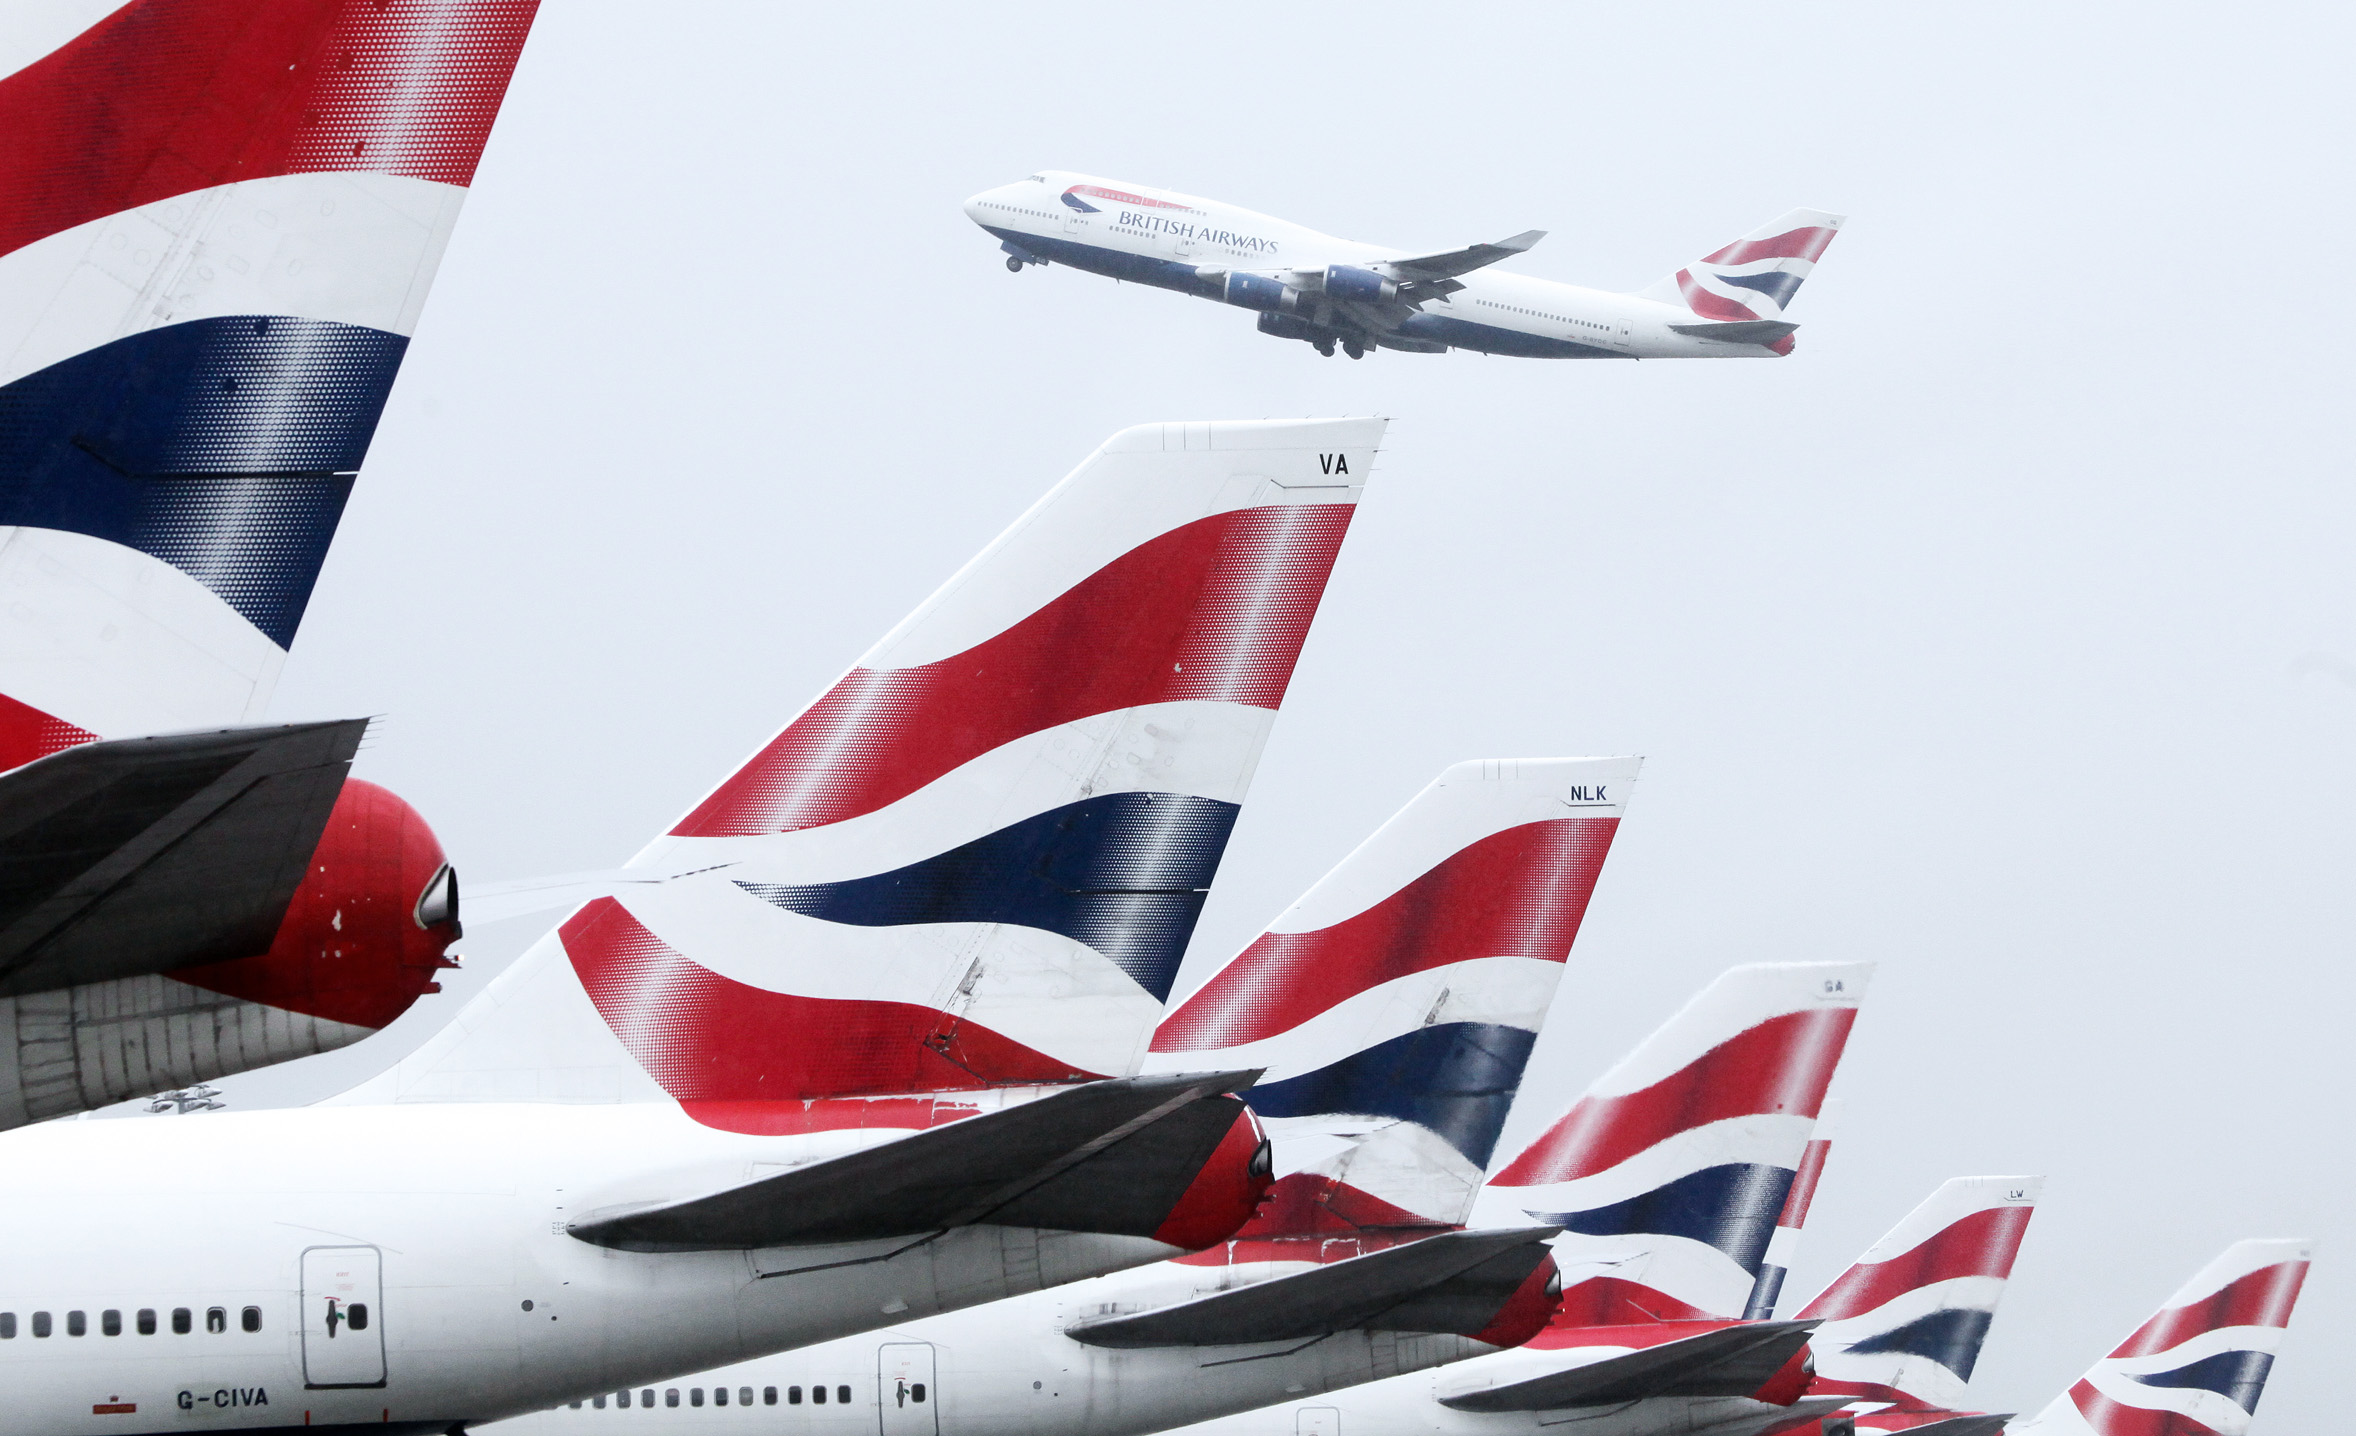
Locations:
(1111, 1156)
(1454, 262)
(1731, 1361)
(1455, 1281)
(144, 854)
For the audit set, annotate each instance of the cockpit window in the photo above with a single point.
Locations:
(1037, 179)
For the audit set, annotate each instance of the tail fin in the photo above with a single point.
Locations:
(1668, 1173)
(2199, 1365)
(1395, 1004)
(1785, 1244)
(218, 223)
(1755, 277)
(1905, 1324)
(976, 860)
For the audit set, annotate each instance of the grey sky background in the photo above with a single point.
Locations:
(2002, 634)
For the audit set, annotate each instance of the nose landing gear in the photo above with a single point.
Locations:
(1013, 265)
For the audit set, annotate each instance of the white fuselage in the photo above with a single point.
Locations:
(1008, 1370)
(447, 1222)
(1173, 241)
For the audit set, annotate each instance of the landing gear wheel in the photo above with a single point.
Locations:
(1013, 265)
(1325, 347)
(1353, 348)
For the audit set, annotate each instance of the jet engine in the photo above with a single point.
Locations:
(1344, 281)
(1258, 291)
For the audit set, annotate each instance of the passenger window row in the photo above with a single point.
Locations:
(110, 1322)
(645, 1396)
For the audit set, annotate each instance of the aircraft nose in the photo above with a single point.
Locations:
(974, 207)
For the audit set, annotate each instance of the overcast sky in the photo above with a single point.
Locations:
(2002, 634)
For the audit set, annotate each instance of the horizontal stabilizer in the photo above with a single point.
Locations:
(1743, 331)
(1730, 1361)
(1798, 1419)
(1111, 1157)
(1466, 260)
(1966, 1424)
(145, 854)
(1454, 1282)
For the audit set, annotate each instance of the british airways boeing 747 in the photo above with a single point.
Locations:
(1331, 292)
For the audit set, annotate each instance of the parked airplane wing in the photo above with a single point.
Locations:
(124, 858)
(1456, 1281)
(1113, 1156)
(1730, 1361)
(1970, 1424)
(1466, 260)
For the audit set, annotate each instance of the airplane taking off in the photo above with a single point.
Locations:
(1462, 908)
(1330, 292)
(218, 223)
(861, 1052)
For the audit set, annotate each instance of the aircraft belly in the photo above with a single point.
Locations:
(1111, 263)
(1490, 339)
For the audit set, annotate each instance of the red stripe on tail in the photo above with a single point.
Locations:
(1216, 610)
(708, 1038)
(165, 97)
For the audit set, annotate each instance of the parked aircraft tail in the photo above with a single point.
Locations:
(975, 860)
(1668, 1174)
(1752, 281)
(1905, 1324)
(1395, 1004)
(218, 224)
(2200, 1363)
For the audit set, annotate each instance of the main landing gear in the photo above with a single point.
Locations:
(1352, 348)
(1325, 347)
(1013, 265)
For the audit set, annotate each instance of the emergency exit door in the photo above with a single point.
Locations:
(904, 1381)
(343, 1316)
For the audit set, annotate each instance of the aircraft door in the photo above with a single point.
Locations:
(1318, 1421)
(1622, 337)
(909, 1402)
(343, 1327)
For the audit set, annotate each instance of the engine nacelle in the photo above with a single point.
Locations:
(366, 930)
(1344, 281)
(1258, 291)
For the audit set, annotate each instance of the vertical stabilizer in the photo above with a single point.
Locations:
(1756, 277)
(1395, 1004)
(1668, 1174)
(976, 860)
(2200, 1364)
(1784, 1246)
(218, 223)
(1906, 1323)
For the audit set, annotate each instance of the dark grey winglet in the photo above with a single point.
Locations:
(1112, 1157)
(1451, 1282)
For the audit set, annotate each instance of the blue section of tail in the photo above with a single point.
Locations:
(1774, 283)
(1952, 1338)
(1456, 1078)
(223, 447)
(1732, 1208)
(2238, 1376)
(1125, 873)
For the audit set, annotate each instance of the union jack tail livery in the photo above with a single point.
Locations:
(1785, 1244)
(1395, 1004)
(2199, 1365)
(1905, 1324)
(1752, 281)
(1668, 1174)
(975, 861)
(218, 223)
